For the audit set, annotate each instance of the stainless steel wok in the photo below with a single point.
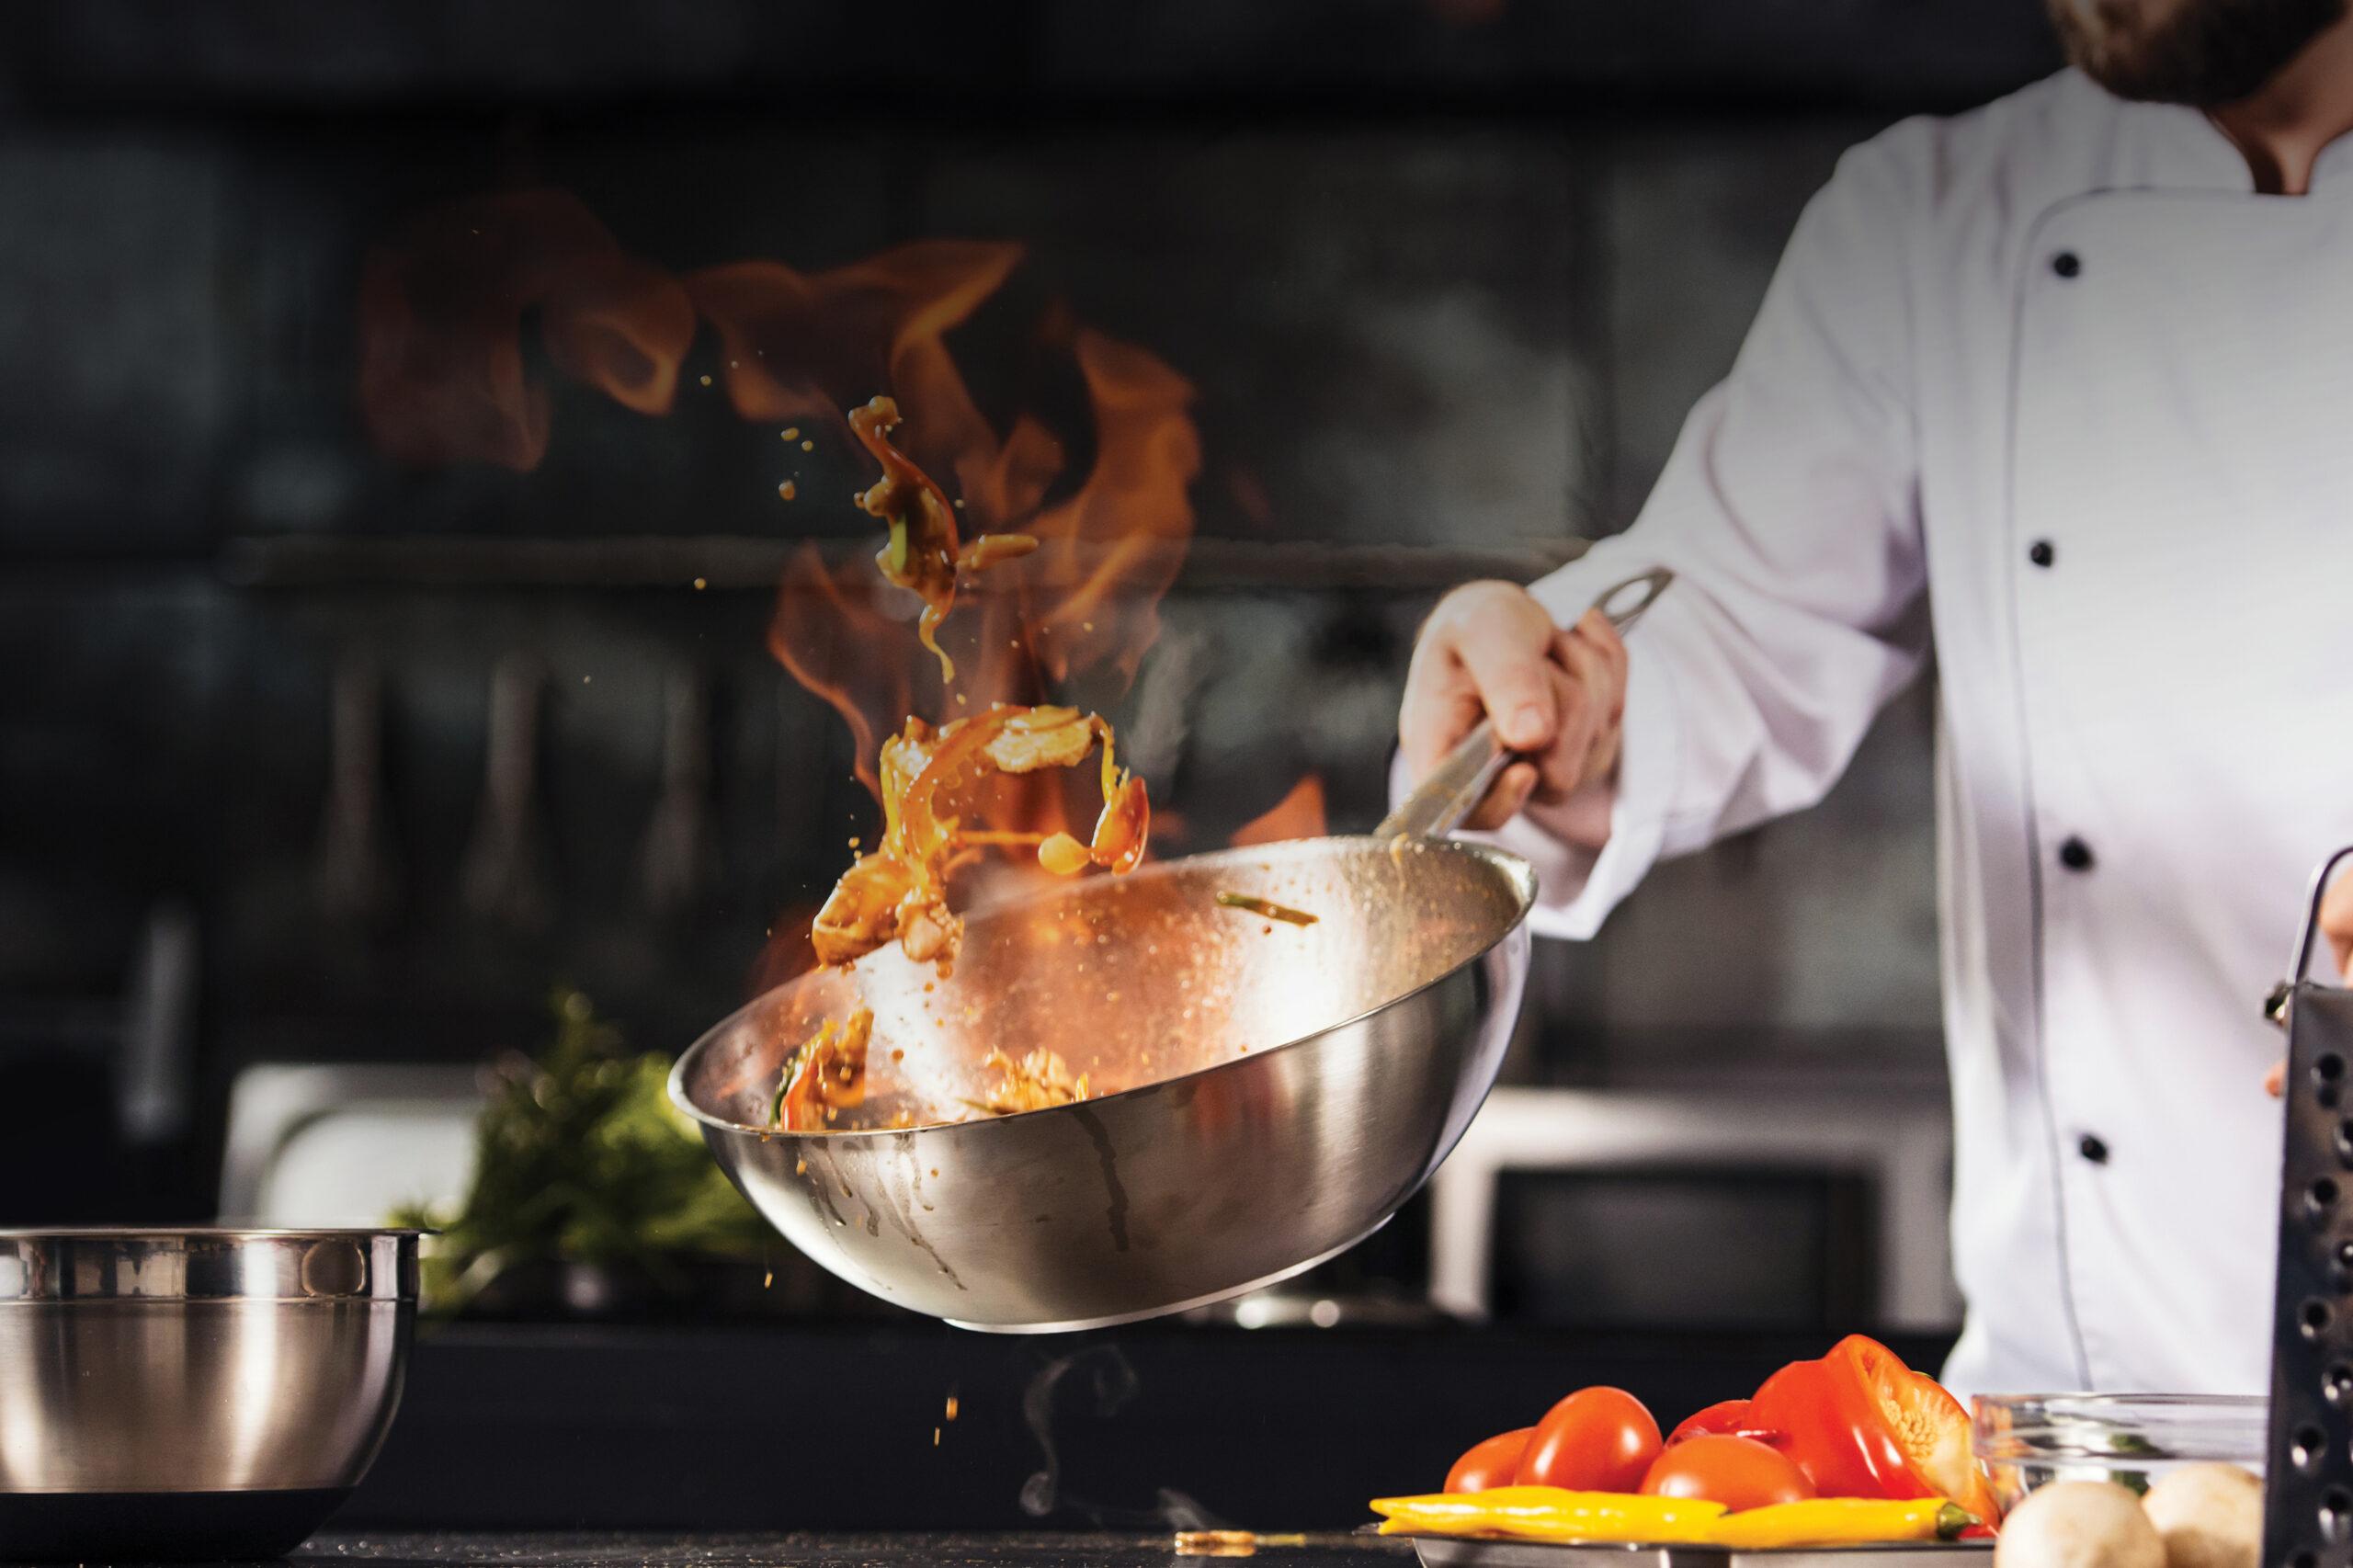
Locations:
(1263, 1095)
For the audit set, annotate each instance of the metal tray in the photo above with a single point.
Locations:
(1457, 1551)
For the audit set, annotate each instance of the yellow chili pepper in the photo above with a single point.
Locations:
(1842, 1521)
(1550, 1513)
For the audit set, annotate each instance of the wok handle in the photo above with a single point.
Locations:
(1456, 786)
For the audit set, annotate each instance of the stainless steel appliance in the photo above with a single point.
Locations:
(193, 1394)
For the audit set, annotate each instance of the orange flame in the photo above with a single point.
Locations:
(442, 379)
(441, 376)
(1298, 815)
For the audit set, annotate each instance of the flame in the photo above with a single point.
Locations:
(806, 346)
(1298, 815)
(443, 378)
(441, 309)
(1132, 513)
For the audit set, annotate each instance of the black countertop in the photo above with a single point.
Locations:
(943, 1549)
(846, 1428)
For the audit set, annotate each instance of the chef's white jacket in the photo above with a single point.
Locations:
(2048, 386)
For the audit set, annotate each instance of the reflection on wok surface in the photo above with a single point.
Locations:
(1262, 1095)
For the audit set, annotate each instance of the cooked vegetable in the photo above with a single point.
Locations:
(2079, 1524)
(1842, 1521)
(1490, 1464)
(900, 888)
(922, 553)
(1739, 1472)
(1267, 907)
(581, 1157)
(1598, 1439)
(2209, 1515)
(1861, 1424)
(1550, 1513)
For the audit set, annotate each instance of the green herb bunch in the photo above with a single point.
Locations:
(580, 1157)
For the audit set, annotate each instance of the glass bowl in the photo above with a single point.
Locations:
(2025, 1440)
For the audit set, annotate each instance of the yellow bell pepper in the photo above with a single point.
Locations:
(1550, 1513)
(1842, 1521)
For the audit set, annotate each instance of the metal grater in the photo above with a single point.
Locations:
(2308, 1489)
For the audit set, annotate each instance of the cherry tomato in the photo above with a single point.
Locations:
(1739, 1472)
(1726, 1418)
(1598, 1439)
(1861, 1424)
(1489, 1464)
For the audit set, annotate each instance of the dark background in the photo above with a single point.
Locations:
(1446, 275)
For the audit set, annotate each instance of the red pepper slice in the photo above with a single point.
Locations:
(1861, 1424)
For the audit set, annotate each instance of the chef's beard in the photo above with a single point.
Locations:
(2204, 53)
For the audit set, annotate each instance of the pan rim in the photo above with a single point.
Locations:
(1517, 870)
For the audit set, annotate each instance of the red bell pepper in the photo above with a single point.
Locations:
(1861, 1424)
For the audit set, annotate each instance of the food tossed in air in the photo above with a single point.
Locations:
(2079, 1524)
(924, 553)
(899, 890)
(1853, 1449)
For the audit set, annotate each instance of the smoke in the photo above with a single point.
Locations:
(1104, 1383)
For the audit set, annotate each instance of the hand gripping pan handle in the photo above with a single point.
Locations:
(1456, 786)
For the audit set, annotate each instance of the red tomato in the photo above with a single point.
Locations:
(1726, 1418)
(1739, 1472)
(1861, 1424)
(1598, 1439)
(1489, 1464)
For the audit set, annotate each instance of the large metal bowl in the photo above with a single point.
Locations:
(1265, 1094)
(193, 1394)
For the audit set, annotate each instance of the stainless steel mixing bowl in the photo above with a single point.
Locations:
(1265, 1094)
(204, 1392)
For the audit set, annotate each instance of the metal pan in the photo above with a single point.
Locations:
(1449, 1552)
(1263, 1095)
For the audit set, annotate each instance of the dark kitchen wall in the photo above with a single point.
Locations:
(1445, 275)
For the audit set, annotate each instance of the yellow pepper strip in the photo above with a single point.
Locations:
(1549, 1513)
(1842, 1521)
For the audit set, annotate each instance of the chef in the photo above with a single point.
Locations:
(2062, 388)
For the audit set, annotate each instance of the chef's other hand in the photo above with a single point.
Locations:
(2336, 925)
(1558, 694)
(2337, 922)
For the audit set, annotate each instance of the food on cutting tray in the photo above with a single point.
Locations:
(924, 553)
(1726, 1418)
(1550, 1513)
(2209, 1516)
(1861, 1424)
(826, 1077)
(2079, 1524)
(900, 888)
(1852, 1449)
(1739, 1472)
(1598, 1439)
(1843, 1521)
(1267, 907)
(1490, 1464)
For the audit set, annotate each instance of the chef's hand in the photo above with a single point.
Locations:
(1558, 696)
(2336, 925)
(2337, 922)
